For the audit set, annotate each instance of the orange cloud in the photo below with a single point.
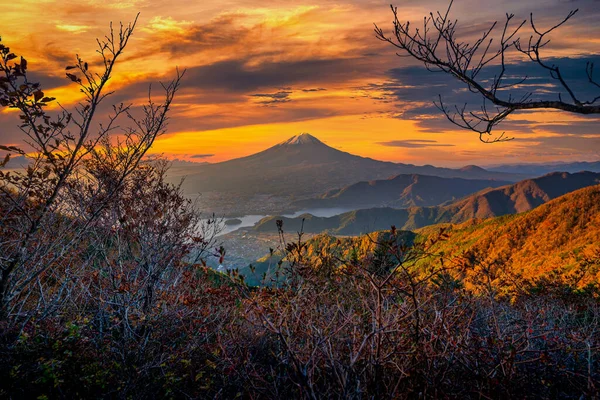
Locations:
(260, 71)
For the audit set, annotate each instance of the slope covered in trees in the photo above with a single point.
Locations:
(320, 250)
(556, 243)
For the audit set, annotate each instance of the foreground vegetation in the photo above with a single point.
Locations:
(373, 324)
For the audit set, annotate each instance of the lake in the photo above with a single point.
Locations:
(249, 221)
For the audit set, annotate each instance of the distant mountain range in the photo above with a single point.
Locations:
(541, 169)
(303, 166)
(510, 199)
(400, 191)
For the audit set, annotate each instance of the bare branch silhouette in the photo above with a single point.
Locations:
(437, 45)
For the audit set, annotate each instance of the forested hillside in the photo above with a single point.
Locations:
(556, 243)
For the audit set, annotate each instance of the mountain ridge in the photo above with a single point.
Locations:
(303, 166)
(400, 191)
(541, 169)
(551, 245)
(520, 197)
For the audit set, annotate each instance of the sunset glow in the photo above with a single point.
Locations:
(259, 72)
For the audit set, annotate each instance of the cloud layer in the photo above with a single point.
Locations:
(258, 70)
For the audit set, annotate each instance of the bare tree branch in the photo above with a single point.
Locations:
(437, 46)
(75, 171)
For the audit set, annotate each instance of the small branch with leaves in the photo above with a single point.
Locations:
(75, 169)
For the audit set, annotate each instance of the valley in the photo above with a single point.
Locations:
(555, 243)
(343, 205)
(283, 177)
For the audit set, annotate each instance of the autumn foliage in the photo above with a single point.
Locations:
(104, 292)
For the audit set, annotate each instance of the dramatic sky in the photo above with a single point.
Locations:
(260, 71)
